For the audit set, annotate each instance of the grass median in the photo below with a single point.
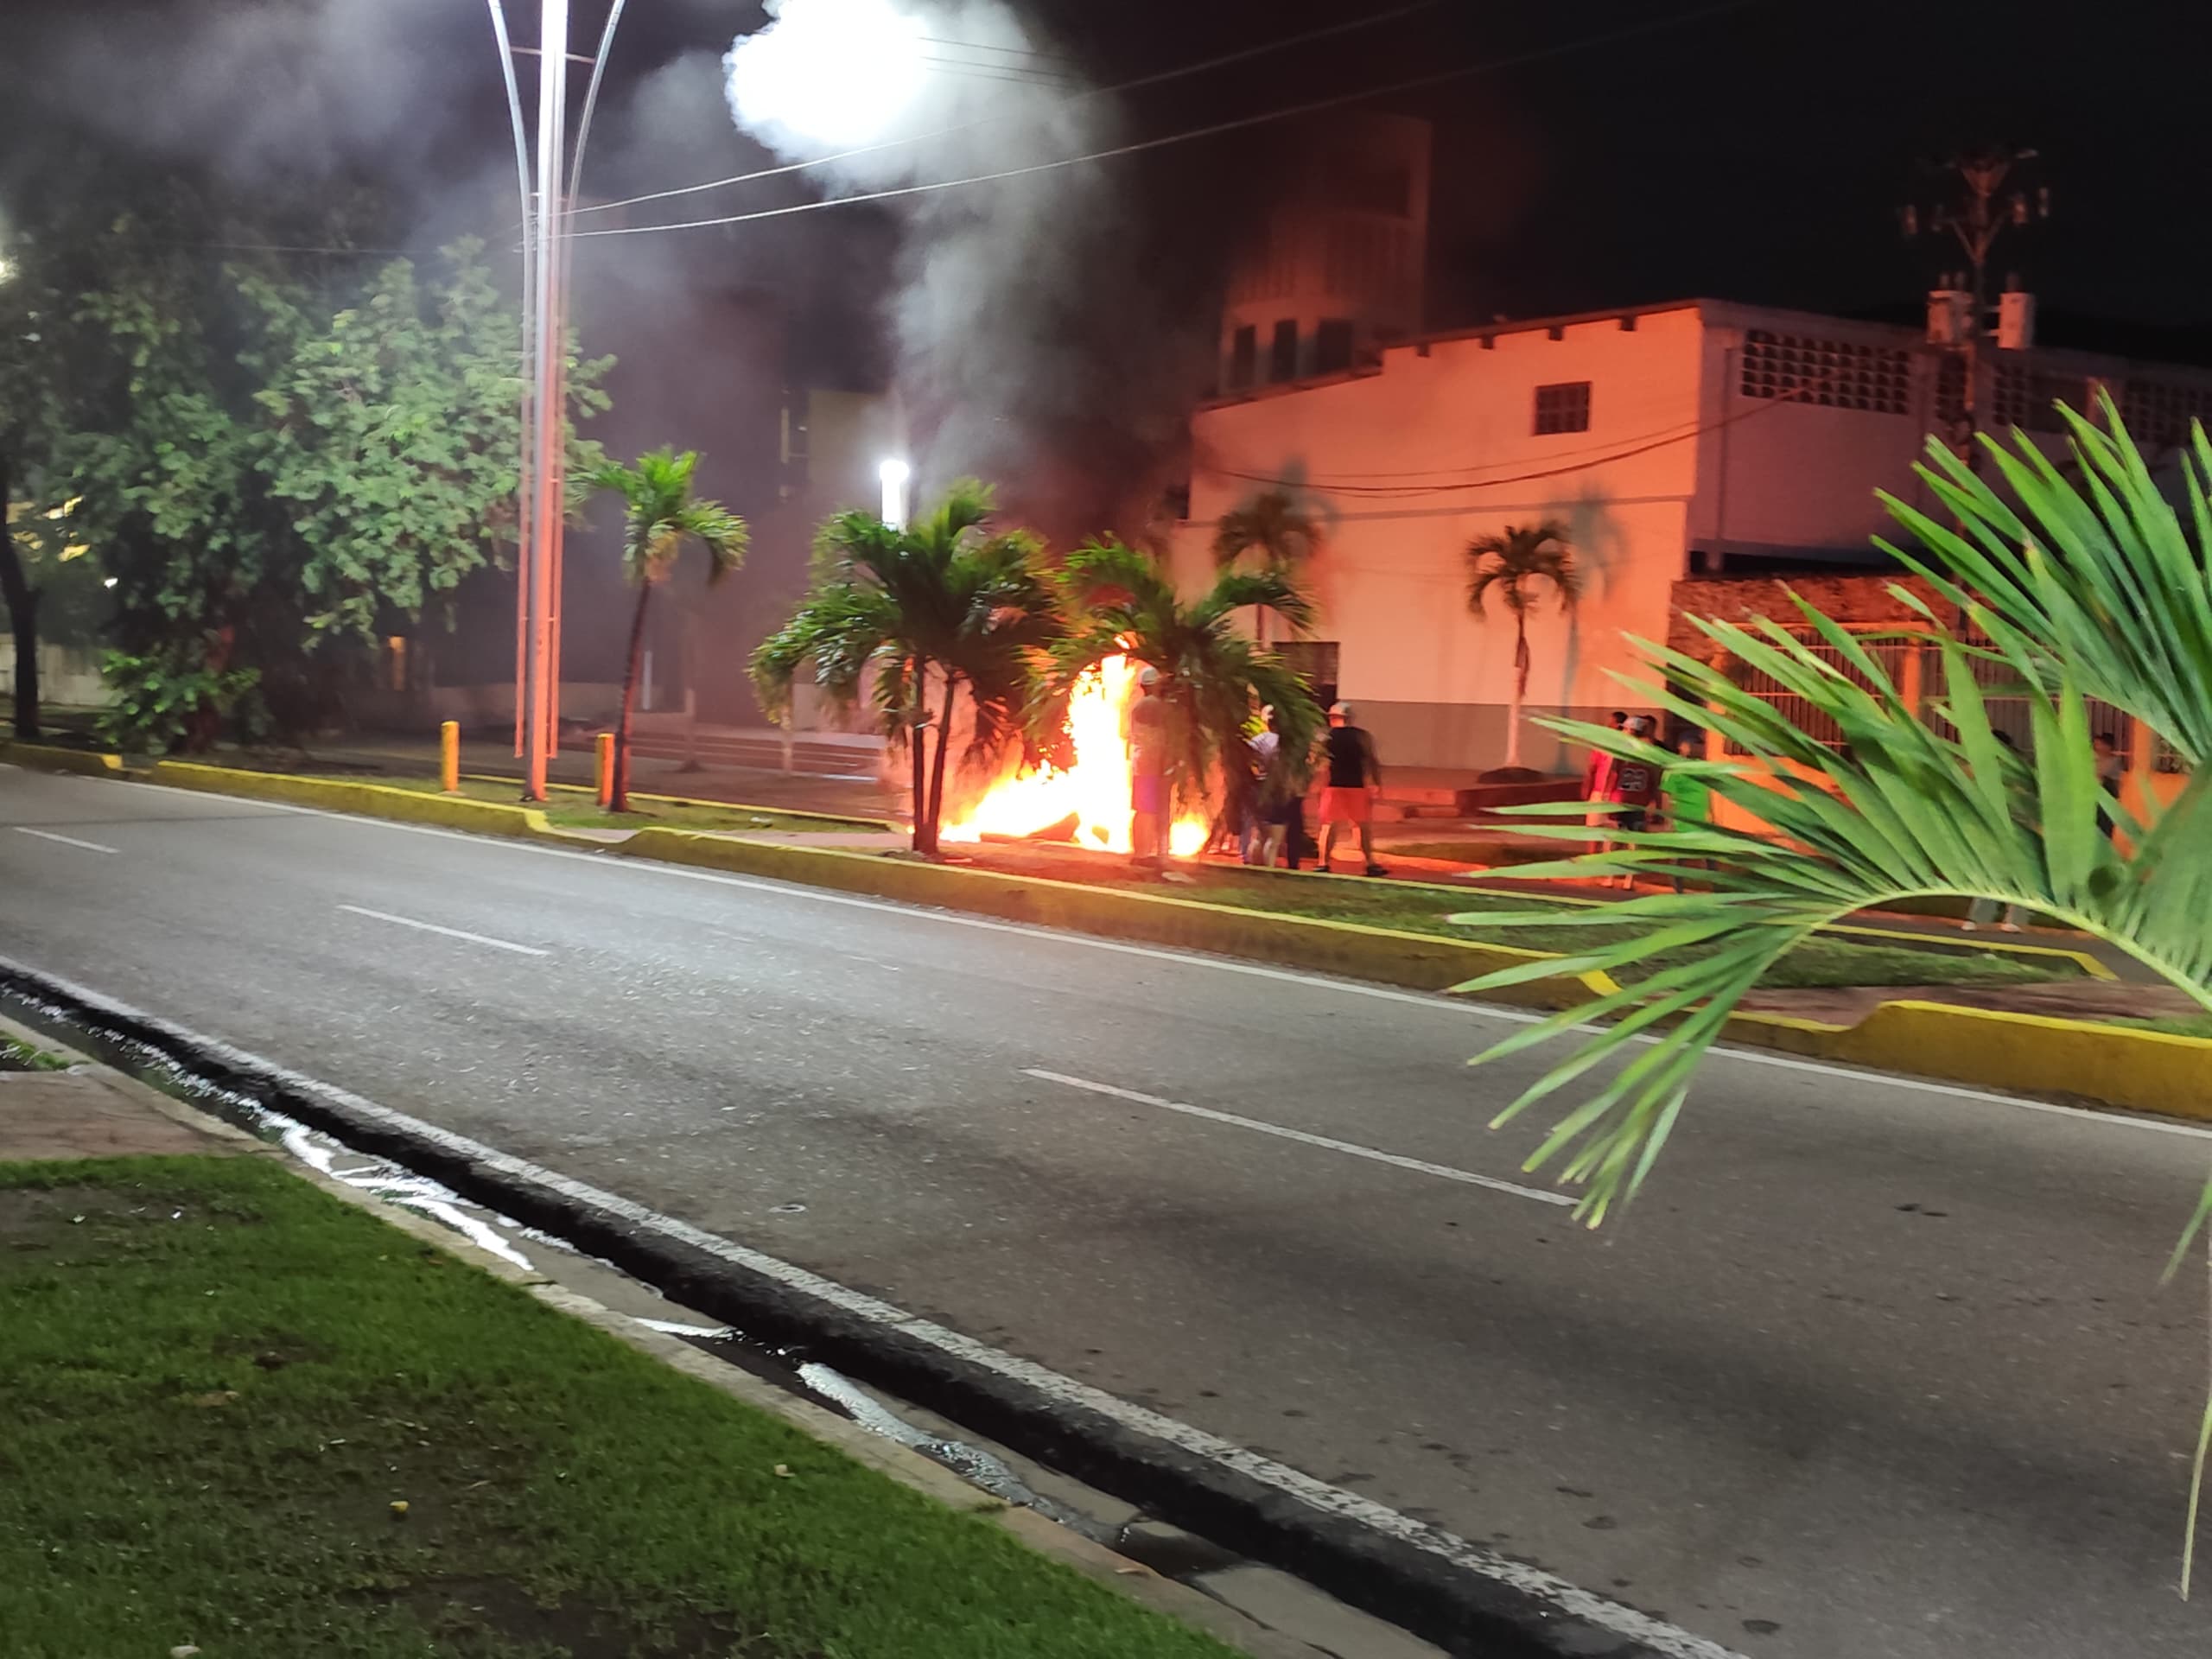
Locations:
(222, 1386)
(1416, 907)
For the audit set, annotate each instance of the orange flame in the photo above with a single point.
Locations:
(1094, 791)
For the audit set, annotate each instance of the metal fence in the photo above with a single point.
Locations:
(2008, 712)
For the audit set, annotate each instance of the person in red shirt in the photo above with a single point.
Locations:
(1630, 783)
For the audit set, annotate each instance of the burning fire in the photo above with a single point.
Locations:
(1094, 791)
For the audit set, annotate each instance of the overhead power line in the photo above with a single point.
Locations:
(1634, 31)
(1157, 78)
(1661, 440)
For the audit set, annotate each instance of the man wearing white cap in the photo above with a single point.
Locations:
(1355, 779)
(1148, 738)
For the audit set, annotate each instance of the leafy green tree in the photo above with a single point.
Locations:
(950, 605)
(1276, 526)
(1214, 678)
(659, 517)
(1515, 563)
(388, 430)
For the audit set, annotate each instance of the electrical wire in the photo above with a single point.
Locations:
(1633, 31)
(1637, 447)
(1240, 55)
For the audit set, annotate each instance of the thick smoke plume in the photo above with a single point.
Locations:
(1033, 346)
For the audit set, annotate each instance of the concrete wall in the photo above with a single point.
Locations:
(1406, 464)
(68, 674)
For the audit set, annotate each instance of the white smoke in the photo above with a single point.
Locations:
(993, 276)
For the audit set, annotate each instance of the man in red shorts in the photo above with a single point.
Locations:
(1354, 780)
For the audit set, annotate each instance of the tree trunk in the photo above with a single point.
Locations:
(619, 796)
(23, 616)
(937, 767)
(918, 798)
(1520, 689)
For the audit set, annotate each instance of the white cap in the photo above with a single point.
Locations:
(1147, 676)
(1342, 710)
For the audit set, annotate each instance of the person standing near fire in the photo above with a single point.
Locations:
(1355, 779)
(1146, 732)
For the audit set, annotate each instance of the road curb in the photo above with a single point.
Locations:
(1436, 1592)
(41, 757)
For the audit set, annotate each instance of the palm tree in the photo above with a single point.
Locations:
(658, 516)
(1121, 601)
(1272, 524)
(1514, 561)
(943, 606)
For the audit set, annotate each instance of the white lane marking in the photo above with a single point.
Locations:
(450, 932)
(1568, 1598)
(1327, 1143)
(67, 841)
(1435, 1001)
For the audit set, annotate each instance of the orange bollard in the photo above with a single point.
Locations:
(449, 757)
(606, 747)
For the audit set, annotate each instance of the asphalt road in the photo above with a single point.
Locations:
(1874, 1368)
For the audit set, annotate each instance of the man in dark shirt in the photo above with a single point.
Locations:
(1354, 780)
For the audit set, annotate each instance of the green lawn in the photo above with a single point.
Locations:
(571, 807)
(1419, 908)
(219, 1384)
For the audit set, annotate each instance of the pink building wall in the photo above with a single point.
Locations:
(1404, 465)
(1722, 441)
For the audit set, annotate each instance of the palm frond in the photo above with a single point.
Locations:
(2097, 590)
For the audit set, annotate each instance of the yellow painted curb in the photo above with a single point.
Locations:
(41, 757)
(1416, 961)
(369, 800)
(2147, 1071)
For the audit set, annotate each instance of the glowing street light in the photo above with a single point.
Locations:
(827, 74)
(895, 473)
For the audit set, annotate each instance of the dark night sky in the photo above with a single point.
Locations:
(1755, 153)
(1758, 154)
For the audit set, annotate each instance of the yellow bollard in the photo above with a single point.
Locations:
(606, 747)
(449, 757)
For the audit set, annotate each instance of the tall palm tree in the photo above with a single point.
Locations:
(1514, 563)
(658, 516)
(1215, 679)
(945, 606)
(1276, 526)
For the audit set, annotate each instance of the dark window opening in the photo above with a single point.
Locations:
(1333, 346)
(1282, 353)
(1313, 661)
(1563, 408)
(1243, 357)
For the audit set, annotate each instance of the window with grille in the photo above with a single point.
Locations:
(2028, 400)
(1563, 408)
(2157, 413)
(1833, 373)
(1313, 661)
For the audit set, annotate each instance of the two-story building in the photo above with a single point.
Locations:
(1690, 451)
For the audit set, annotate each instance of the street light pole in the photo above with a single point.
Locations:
(541, 508)
(550, 346)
